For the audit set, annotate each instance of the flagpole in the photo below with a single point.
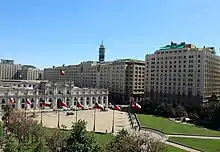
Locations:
(58, 119)
(25, 108)
(76, 114)
(113, 121)
(94, 119)
(41, 115)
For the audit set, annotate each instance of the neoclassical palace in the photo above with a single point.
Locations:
(50, 92)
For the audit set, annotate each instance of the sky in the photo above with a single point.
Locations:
(55, 32)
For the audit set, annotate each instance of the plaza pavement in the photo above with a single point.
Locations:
(104, 119)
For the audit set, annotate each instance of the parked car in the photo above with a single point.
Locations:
(69, 113)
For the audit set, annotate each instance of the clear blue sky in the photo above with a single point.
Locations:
(53, 32)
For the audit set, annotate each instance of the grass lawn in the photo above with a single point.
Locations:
(100, 137)
(171, 127)
(208, 145)
(173, 149)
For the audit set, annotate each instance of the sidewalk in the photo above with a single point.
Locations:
(198, 137)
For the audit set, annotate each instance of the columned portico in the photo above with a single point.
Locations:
(68, 94)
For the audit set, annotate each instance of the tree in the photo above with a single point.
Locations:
(80, 141)
(56, 140)
(181, 112)
(21, 126)
(25, 133)
(124, 142)
(10, 144)
(213, 98)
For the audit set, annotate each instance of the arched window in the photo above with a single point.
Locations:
(99, 99)
(23, 103)
(104, 100)
(67, 92)
(67, 102)
(75, 101)
(58, 103)
(93, 100)
(87, 100)
(81, 100)
(3, 101)
(32, 103)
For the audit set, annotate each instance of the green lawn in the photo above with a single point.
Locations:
(173, 149)
(171, 127)
(100, 137)
(103, 138)
(208, 145)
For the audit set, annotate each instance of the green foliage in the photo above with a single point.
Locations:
(11, 144)
(25, 135)
(124, 142)
(164, 109)
(80, 141)
(1, 129)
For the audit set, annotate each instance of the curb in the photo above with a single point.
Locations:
(185, 145)
(191, 135)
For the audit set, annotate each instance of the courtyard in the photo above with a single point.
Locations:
(103, 123)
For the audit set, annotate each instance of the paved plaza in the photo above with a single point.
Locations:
(104, 119)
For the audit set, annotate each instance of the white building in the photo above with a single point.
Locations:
(37, 91)
(182, 73)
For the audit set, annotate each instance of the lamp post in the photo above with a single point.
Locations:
(58, 118)
(113, 121)
(76, 113)
(25, 108)
(94, 120)
(41, 117)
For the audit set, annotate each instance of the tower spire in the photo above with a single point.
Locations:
(102, 52)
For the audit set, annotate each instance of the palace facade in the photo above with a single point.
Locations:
(50, 92)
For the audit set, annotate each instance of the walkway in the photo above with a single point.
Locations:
(180, 146)
(198, 137)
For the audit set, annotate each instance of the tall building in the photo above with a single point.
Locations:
(8, 70)
(30, 74)
(3, 61)
(182, 73)
(123, 78)
(102, 53)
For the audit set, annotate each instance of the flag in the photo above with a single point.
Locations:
(12, 101)
(131, 101)
(117, 107)
(62, 104)
(99, 106)
(134, 104)
(78, 105)
(44, 104)
(28, 101)
(62, 72)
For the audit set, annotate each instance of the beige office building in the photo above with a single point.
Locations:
(30, 74)
(182, 73)
(8, 70)
(123, 78)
